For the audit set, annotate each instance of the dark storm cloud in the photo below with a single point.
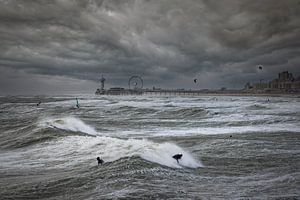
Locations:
(168, 42)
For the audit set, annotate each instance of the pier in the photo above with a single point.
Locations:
(135, 87)
(163, 92)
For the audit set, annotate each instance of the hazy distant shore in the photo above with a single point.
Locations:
(250, 94)
(238, 93)
(208, 93)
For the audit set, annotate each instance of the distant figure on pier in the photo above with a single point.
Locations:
(77, 104)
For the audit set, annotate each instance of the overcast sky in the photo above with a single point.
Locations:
(63, 46)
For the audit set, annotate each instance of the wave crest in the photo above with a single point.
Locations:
(69, 124)
(112, 149)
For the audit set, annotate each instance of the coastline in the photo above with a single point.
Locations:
(296, 95)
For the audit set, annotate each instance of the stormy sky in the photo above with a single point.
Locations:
(63, 46)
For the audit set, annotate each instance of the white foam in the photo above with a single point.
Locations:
(69, 123)
(74, 151)
(162, 154)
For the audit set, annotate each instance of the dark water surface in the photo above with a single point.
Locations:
(233, 147)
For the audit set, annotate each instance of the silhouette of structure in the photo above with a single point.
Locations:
(285, 83)
(135, 83)
(101, 90)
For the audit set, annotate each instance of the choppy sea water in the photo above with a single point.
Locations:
(233, 147)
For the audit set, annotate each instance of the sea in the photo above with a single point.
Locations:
(233, 147)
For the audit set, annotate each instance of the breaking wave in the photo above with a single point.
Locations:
(69, 124)
(112, 149)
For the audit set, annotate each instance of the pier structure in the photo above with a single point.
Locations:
(101, 91)
(135, 87)
(172, 92)
(164, 92)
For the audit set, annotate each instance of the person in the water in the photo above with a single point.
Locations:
(77, 104)
(38, 103)
(177, 157)
(100, 161)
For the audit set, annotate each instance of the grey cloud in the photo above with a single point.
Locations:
(167, 42)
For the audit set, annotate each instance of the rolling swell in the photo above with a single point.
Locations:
(134, 111)
(28, 132)
(167, 113)
(184, 113)
(50, 150)
(257, 107)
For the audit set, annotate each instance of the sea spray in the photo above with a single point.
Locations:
(68, 123)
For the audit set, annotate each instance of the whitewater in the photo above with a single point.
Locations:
(233, 147)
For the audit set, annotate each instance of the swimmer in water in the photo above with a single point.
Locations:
(100, 161)
(77, 104)
(177, 157)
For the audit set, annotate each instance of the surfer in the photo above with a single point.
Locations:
(77, 104)
(100, 161)
(38, 103)
(177, 157)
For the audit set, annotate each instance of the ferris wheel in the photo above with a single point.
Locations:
(135, 82)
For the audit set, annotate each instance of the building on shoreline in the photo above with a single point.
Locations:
(285, 83)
